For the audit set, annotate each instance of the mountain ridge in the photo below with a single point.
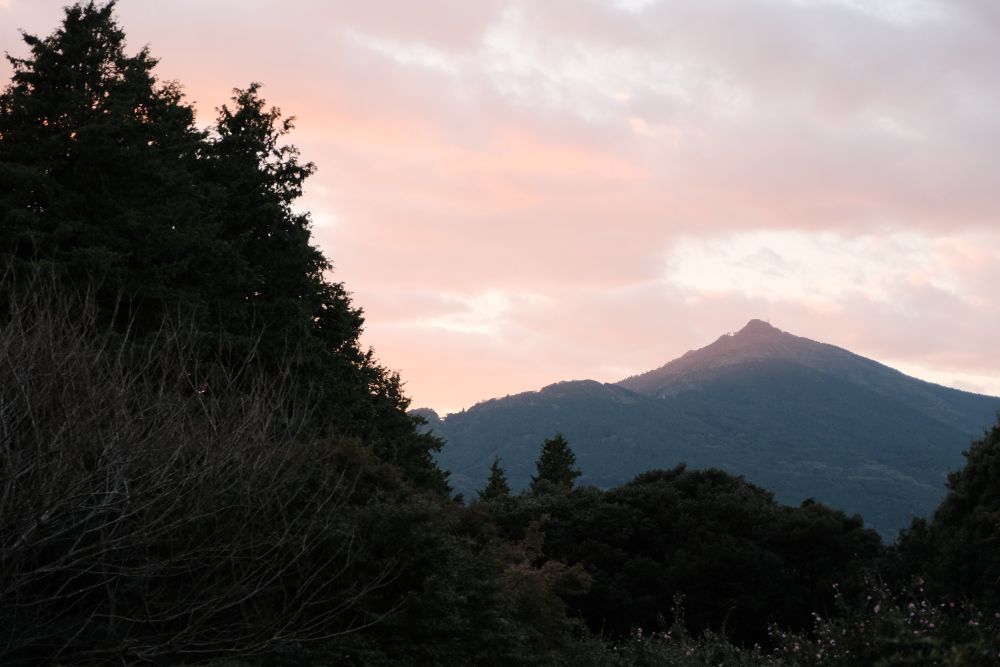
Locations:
(801, 418)
(760, 340)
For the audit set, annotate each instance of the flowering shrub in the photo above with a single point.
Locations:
(896, 628)
(883, 629)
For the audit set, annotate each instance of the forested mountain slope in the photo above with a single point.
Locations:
(802, 418)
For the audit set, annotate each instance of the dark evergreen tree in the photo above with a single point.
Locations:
(556, 466)
(105, 179)
(258, 179)
(98, 162)
(285, 293)
(496, 487)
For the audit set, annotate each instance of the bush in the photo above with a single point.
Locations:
(153, 509)
(893, 628)
(157, 509)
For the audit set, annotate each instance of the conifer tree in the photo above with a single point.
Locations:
(105, 179)
(99, 166)
(257, 179)
(556, 466)
(496, 487)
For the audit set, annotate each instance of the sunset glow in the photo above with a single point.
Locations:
(523, 192)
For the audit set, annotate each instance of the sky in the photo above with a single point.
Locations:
(519, 192)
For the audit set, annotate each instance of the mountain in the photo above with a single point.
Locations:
(801, 418)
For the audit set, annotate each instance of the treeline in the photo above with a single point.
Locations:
(691, 567)
(199, 462)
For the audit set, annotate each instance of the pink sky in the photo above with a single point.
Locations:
(524, 192)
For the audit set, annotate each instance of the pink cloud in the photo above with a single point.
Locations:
(522, 172)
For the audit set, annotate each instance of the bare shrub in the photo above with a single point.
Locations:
(155, 509)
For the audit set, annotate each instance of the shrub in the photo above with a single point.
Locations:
(152, 508)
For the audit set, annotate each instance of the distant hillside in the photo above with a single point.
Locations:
(800, 418)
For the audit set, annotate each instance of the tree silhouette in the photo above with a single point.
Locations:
(556, 466)
(101, 167)
(107, 182)
(965, 530)
(497, 486)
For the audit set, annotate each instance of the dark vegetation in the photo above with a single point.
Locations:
(200, 464)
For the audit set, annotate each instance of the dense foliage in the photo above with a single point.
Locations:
(958, 550)
(965, 530)
(108, 182)
(741, 560)
(200, 464)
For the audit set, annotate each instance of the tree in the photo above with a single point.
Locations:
(964, 534)
(285, 288)
(741, 560)
(107, 182)
(100, 166)
(496, 487)
(555, 466)
(258, 178)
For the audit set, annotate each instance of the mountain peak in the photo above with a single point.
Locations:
(757, 341)
(757, 328)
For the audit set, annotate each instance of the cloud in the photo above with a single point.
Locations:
(827, 268)
(520, 192)
(921, 303)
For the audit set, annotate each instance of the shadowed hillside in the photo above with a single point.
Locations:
(802, 418)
